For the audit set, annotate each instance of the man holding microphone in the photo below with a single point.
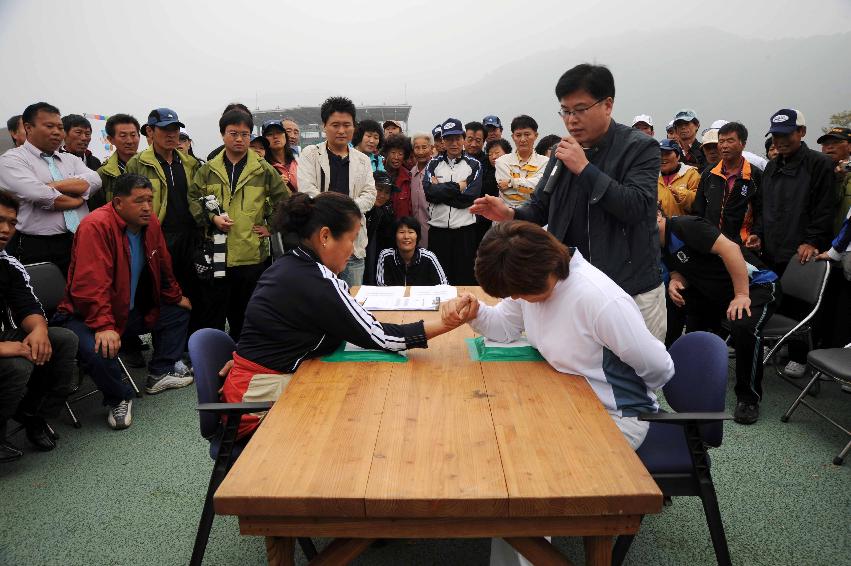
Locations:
(598, 192)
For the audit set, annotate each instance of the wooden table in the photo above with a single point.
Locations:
(438, 447)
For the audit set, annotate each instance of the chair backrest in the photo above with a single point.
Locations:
(48, 283)
(700, 379)
(209, 350)
(805, 282)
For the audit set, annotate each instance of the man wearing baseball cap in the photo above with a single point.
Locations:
(392, 128)
(493, 127)
(798, 204)
(451, 182)
(170, 172)
(643, 123)
(437, 135)
(686, 124)
(837, 144)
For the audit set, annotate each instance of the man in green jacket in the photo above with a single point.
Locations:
(244, 185)
(122, 131)
(170, 172)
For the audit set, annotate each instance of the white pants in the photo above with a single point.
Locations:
(653, 309)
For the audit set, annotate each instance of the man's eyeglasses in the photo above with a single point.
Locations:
(579, 112)
(234, 134)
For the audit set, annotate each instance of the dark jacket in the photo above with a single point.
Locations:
(620, 186)
(695, 156)
(17, 298)
(425, 269)
(380, 222)
(797, 205)
(728, 211)
(98, 288)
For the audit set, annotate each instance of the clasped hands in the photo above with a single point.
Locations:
(459, 311)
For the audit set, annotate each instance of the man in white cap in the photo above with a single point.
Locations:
(644, 123)
(392, 128)
(686, 125)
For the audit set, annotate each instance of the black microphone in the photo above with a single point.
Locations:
(554, 176)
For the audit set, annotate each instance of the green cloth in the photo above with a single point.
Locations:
(341, 355)
(480, 353)
(147, 165)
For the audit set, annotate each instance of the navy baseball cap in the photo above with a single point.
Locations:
(492, 121)
(670, 145)
(785, 121)
(270, 124)
(686, 115)
(437, 132)
(162, 117)
(452, 127)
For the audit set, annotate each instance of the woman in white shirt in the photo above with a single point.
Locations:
(580, 321)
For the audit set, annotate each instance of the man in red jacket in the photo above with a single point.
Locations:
(121, 282)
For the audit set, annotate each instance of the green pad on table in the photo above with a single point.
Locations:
(341, 354)
(482, 353)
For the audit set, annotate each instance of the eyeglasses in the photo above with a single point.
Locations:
(579, 112)
(235, 134)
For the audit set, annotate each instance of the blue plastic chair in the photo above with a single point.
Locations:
(210, 350)
(676, 456)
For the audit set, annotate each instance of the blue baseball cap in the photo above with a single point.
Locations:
(686, 115)
(785, 121)
(162, 117)
(492, 121)
(671, 145)
(269, 124)
(437, 132)
(452, 127)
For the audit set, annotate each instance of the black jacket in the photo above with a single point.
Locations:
(381, 234)
(695, 158)
(17, 298)
(797, 205)
(620, 187)
(727, 211)
(425, 269)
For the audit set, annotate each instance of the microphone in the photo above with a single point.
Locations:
(554, 177)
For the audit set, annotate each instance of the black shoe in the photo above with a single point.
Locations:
(9, 452)
(133, 359)
(38, 437)
(746, 413)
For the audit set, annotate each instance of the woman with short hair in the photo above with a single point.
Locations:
(407, 263)
(580, 321)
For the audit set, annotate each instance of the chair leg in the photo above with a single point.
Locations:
(220, 470)
(791, 409)
(129, 377)
(841, 456)
(74, 420)
(308, 548)
(621, 548)
(706, 489)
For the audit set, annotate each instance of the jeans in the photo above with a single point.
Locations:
(169, 335)
(353, 274)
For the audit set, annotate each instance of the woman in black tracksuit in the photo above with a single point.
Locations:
(407, 263)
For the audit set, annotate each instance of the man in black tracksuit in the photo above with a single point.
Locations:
(797, 210)
(711, 277)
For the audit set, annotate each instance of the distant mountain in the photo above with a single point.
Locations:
(718, 74)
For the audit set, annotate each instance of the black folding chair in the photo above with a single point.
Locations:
(48, 284)
(803, 282)
(834, 363)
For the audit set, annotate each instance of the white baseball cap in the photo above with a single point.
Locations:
(646, 118)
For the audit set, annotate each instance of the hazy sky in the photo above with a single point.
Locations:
(109, 56)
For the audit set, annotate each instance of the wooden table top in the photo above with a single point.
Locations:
(438, 436)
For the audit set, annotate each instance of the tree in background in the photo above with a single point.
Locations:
(841, 119)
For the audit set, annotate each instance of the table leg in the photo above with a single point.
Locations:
(598, 551)
(280, 551)
(538, 551)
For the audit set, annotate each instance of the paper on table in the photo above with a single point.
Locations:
(352, 348)
(443, 292)
(519, 343)
(386, 303)
(366, 291)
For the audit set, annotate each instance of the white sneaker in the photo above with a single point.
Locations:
(795, 370)
(159, 383)
(121, 415)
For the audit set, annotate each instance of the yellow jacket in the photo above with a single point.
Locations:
(678, 195)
